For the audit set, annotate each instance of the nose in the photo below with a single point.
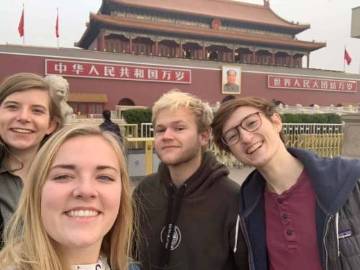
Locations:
(245, 136)
(85, 189)
(168, 134)
(24, 115)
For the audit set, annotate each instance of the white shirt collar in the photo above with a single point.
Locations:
(101, 264)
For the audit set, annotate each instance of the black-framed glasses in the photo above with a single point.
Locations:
(250, 123)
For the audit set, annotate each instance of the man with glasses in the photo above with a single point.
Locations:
(298, 211)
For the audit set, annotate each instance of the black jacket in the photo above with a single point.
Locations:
(337, 190)
(109, 125)
(10, 189)
(204, 211)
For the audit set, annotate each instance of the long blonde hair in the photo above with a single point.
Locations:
(28, 246)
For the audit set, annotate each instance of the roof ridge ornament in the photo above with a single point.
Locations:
(216, 23)
(267, 3)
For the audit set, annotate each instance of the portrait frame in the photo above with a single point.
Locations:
(231, 85)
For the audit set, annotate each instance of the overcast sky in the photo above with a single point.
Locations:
(330, 22)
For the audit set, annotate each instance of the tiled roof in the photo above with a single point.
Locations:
(191, 32)
(223, 9)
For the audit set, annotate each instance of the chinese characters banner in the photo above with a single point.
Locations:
(308, 83)
(117, 71)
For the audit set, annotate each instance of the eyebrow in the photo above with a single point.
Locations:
(16, 102)
(73, 167)
(240, 122)
(172, 123)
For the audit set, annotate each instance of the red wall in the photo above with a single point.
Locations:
(256, 84)
(206, 84)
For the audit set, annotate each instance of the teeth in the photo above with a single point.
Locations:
(21, 130)
(254, 147)
(82, 213)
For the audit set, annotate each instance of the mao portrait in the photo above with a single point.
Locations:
(231, 80)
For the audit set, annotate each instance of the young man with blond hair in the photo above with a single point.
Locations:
(188, 209)
(298, 211)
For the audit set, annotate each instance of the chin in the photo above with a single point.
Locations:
(169, 161)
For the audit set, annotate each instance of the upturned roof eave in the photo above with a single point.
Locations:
(117, 23)
(290, 26)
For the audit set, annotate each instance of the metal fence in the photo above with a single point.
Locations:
(324, 139)
(146, 130)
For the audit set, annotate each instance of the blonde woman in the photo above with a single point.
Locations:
(28, 116)
(75, 212)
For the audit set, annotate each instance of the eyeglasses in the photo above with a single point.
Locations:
(250, 123)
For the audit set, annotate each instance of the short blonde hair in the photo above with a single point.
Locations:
(28, 246)
(175, 99)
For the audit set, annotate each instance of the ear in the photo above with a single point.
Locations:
(204, 137)
(277, 122)
(53, 124)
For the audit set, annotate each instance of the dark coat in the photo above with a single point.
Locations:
(337, 190)
(204, 210)
(108, 125)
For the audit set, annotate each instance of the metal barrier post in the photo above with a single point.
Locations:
(148, 151)
(149, 157)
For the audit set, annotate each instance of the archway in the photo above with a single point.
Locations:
(126, 102)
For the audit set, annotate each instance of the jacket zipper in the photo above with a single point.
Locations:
(247, 241)
(324, 240)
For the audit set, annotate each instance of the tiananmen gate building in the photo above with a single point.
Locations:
(132, 51)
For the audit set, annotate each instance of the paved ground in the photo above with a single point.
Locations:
(240, 174)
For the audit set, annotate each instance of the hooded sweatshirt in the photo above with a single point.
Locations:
(336, 183)
(192, 226)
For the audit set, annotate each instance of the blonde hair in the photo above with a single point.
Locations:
(28, 246)
(175, 99)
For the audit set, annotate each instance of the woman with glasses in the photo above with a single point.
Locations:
(298, 210)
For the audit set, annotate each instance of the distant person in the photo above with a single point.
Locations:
(298, 210)
(231, 85)
(76, 211)
(188, 209)
(109, 125)
(227, 98)
(28, 116)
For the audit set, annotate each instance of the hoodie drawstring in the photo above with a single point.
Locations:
(337, 233)
(236, 232)
(174, 203)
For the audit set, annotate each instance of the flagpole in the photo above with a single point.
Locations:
(57, 28)
(23, 14)
(344, 59)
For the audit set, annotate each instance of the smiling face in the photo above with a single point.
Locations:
(80, 199)
(256, 148)
(25, 119)
(177, 139)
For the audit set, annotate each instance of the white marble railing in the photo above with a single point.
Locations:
(317, 109)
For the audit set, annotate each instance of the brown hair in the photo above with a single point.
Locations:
(20, 82)
(228, 108)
